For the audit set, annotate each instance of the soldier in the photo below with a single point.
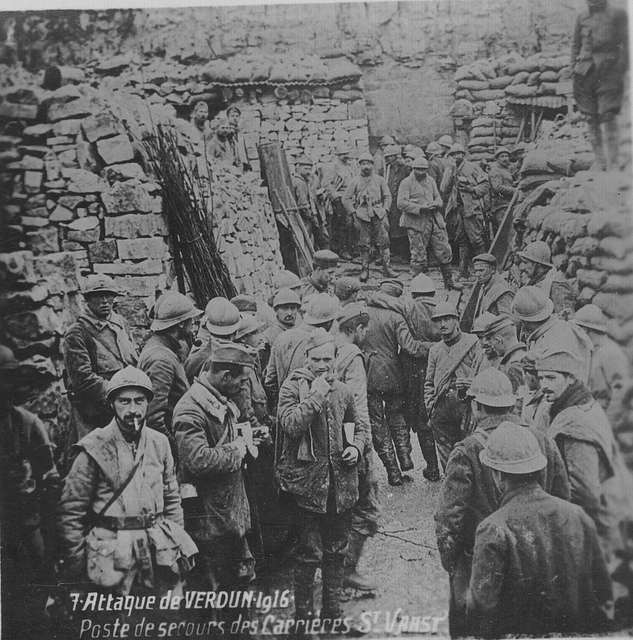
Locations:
(388, 335)
(379, 156)
(610, 369)
(495, 294)
(599, 61)
(585, 438)
(339, 179)
(244, 303)
(541, 329)
(485, 356)
(282, 280)
(286, 305)
(537, 270)
(222, 320)
(418, 316)
(237, 140)
(421, 204)
(220, 148)
(201, 132)
(324, 265)
(437, 164)
(304, 188)
(396, 170)
(446, 142)
(318, 469)
(368, 199)
(120, 518)
(518, 153)
(447, 378)
(353, 321)
(346, 290)
(95, 347)
(468, 494)
(162, 361)
(466, 190)
(537, 565)
(502, 186)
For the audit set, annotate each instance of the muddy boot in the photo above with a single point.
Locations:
(364, 262)
(394, 477)
(352, 557)
(427, 444)
(597, 143)
(402, 442)
(333, 573)
(612, 143)
(447, 276)
(385, 255)
(304, 595)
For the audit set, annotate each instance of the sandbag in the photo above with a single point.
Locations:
(520, 78)
(533, 79)
(548, 89)
(615, 305)
(618, 283)
(573, 228)
(482, 122)
(614, 247)
(549, 76)
(464, 94)
(521, 90)
(591, 278)
(501, 82)
(480, 132)
(485, 141)
(586, 247)
(605, 224)
(490, 94)
(473, 85)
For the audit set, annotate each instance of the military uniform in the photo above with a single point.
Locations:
(495, 296)
(610, 369)
(395, 173)
(306, 198)
(339, 179)
(502, 189)
(557, 288)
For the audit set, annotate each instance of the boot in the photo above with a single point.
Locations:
(364, 261)
(385, 255)
(394, 477)
(463, 261)
(447, 275)
(333, 573)
(595, 134)
(427, 444)
(402, 443)
(612, 140)
(352, 557)
(304, 591)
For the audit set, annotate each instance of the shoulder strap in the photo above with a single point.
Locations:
(116, 495)
(481, 437)
(98, 338)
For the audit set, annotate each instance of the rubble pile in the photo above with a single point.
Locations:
(587, 223)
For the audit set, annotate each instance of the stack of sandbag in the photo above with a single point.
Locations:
(568, 137)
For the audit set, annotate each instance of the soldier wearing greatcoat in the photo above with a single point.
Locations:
(496, 294)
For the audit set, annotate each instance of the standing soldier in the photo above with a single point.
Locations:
(421, 204)
(220, 147)
(468, 494)
(537, 270)
(341, 176)
(495, 294)
(518, 153)
(368, 199)
(447, 378)
(599, 61)
(446, 142)
(324, 265)
(95, 347)
(353, 321)
(379, 156)
(120, 519)
(437, 164)
(237, 139)
(211, 452)
(286, 305)
(389, 335)
(346, 290)
(318, 469)
(502, 186)
(537, 565)
(395, 172)
(304, 188)
(466, 190)
(161, 359)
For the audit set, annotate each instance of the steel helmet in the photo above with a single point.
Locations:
(433, 148)
(99, 283)
(482, 322)
(346, 287)
(444, 309)
(244, 303)
(513, 449)
(492, 388)
(538, 252)
(223, 317)
(248, 324)
(321, 308)
(501, 150)
(286, 296)
(286, 279)
(343, 150)
(591, 317)
(304, 160)
(420, 163)
(446, 141)
(387, 140)
(532, 305)
(170, 309)
(366, 157)
(559, 360)
(129, 377)
(456, 148)
(392, 150)
(422, 284)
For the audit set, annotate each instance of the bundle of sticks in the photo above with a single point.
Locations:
(190, 224)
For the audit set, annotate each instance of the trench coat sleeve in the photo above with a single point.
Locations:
(86, 384)
(447, 180)
(162, 375)
(172, 507)
(487, 579)
(297, 415)
(356, 380)
(498, 186)
(73, 510)
(197, 457)
(385, 194)
(271, 381)
(404, 202)
(429, 381)
(452, 508)
(583, 467)
(407, 342)
(349, 198)
(361, 432)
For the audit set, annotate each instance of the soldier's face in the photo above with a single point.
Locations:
(554, 384)
(504, 160)
(420, 174)
(457, 157)
(325, 276)
(527, 269)
(304, 170)
(233, 118)
(232, 385)
(253, 340)
(321, 359)
(100, 304)
(446, 325)
(488, 347)
(224, 130)
(360, 334)
(483, 272)
(201, 113)
(130, 407)
(287, 314)
(344, 158)
(366, 167)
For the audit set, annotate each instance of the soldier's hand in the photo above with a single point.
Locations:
(350, 455)
(240, 445)
(261, 435)
(320, 385)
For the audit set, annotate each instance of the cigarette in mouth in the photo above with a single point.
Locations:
(137, 425)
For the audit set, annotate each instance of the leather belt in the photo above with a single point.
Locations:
(123, 523)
